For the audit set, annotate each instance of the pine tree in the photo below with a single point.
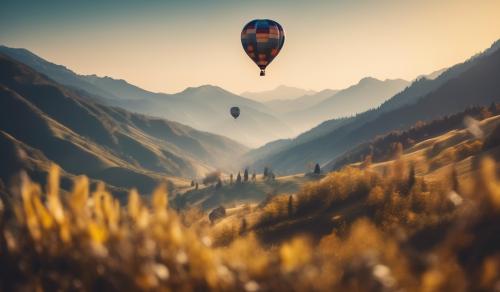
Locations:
(192, 183)
(266, 172)
(254, 176)
(317, 169)
(231, 179)
(245, 175)
(196, 186)
(238, 178)
(411, 176)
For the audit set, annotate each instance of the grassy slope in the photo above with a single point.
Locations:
(434, 160)
(234, 195)
(437, 156)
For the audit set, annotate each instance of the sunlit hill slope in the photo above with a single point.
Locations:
(84, 137)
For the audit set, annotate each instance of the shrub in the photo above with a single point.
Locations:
(211, 178)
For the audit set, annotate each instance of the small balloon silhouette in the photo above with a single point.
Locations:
(235, 112)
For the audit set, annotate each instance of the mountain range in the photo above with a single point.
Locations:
(473, 82)
(103, 127)
(287, 112)
(42, 121)
(306, 111)
(205, 107)
(366, 94)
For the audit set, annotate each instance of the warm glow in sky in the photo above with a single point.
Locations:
(169, 45)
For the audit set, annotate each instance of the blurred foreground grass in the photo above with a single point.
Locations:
(411, 236)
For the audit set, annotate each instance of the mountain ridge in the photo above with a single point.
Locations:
(332, 141)
(368, 93)
(86, 137)
(193, 106)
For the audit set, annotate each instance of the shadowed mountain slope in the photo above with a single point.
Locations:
(366, 94)
(103, 142)
(473, 82)
(205, 107)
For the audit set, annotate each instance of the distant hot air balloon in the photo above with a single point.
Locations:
(262, 40)
(235, 112)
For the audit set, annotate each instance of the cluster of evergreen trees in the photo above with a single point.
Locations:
(214, 178)
(245, 178)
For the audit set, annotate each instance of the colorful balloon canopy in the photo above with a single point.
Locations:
(262, 40)
(235, 112)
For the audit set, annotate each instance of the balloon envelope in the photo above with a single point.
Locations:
(262, 40)
(235, 112)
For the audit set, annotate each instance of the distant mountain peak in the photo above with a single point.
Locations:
(372, 81)
(204, 88)
(283, 86)
(281, 92)
(369, 79)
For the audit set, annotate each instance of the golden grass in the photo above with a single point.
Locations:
(406, 235)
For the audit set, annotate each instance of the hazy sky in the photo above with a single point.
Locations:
(169, 45)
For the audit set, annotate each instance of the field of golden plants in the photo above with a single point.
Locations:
(355, 230)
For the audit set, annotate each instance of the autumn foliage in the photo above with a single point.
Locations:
(380, 233)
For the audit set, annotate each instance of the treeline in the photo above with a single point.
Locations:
(215, 178)
(384, 147)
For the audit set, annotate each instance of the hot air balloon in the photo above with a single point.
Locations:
(235, 112)
(262, 40)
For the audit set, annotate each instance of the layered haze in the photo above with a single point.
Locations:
(207, 107)
(43, 121)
